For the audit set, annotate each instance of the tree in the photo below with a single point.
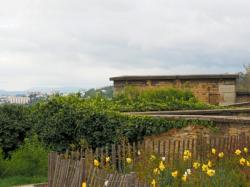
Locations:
(244, 80)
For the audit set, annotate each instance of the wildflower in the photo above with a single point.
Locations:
(204, 167)
(214, 151)
(189, 171)
(210, 172)
(185, 158)
(152, 157)
(153, 182)
(163, 158)
(96, 163)
(221, 155)
(106, 183)
(242, 161)
(139, 152)
(248, 163)
(107, 159)
(209, 164)
(161, 166)
(156, 171)
(245, 150)
(184, 178)
(187, 153)
(238, 152)
(129, 160)
(175, 173)
(196, 165)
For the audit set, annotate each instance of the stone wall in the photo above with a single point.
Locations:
(213, 91)
(228, 126)
(243, 97)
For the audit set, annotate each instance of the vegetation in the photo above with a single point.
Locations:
(27, 164)
(160, 98)
(244, 80)
(21, 180)
(217, 169)
(62, 121)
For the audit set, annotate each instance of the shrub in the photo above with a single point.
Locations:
(157, 98)
(14, 126)
(61, 121)
(28, 160)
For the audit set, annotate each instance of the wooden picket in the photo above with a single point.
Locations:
(73, 172)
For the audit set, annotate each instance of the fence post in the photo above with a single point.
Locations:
(131, 179)
(83, 171)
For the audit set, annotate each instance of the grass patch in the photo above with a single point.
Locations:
(21, 180)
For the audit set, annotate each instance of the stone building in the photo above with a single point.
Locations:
(213, 89)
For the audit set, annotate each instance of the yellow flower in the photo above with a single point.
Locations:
(221, 155)
(214, 151)
(187, 154)
(175, 174)
(204, 167)
(161, 166)
(156, 171)
(96, 163)
(210, 172)
(152, 157)
(184, 178)
(209, 164)
(196, 165)
(107, 159)
(129, 160)
(242, 161)
(238, 152)
(248, 163)
(185, 158)
(153, 182)
(245, 150)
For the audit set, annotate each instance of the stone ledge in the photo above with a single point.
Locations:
(227, 119)
(214, 112)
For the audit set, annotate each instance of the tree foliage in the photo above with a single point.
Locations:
(14, 126)
(244, 80)
(62, 120)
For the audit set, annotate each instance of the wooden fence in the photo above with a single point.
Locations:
(78, 167)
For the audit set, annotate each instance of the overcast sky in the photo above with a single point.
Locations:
(81, 43)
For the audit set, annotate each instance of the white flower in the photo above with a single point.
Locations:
(106, 183)
(185, 174)
(189, 171)
(163, 158)
(139, 152)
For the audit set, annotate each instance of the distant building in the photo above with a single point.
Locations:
(214, 89)
(18, 99)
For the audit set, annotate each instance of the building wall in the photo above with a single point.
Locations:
(213, 91)
(243, 97)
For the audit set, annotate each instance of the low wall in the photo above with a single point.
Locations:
(214, 112)
(242, 97)
(225, 126)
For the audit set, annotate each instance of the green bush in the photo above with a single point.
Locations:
(14, 126)
(28, 160)
(61, 121)
(157, 98)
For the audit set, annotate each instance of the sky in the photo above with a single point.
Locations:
(81, 43)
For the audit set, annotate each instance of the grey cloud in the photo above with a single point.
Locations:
(44, 42)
